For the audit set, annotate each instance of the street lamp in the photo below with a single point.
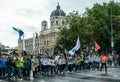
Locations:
(112, 40)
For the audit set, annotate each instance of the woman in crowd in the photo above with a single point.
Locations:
(61, 63)
(70, 62)
(10, 67)
(26, 66)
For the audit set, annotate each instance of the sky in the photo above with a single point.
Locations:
(28, 15)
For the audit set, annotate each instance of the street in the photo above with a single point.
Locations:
(113, 75)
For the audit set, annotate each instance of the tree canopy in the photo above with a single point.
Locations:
(93, 25)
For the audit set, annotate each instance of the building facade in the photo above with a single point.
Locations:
(6, 49)
(46, 39)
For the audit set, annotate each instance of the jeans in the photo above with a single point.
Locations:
(103, 64)
(46, 69)
(61, 67)
(96, 65)
(2, 72)
(19, 72)
(10, 71)
(70, 67)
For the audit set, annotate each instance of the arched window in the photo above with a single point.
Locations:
(57, 23)
(44, 43)
(52, 23)
(47, 42)
(63, 22)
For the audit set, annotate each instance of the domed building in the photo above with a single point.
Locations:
(57, 18)
(47, 36)
(57, 12)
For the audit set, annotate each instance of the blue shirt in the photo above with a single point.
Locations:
(2, 63)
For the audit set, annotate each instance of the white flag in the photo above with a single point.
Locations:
(72, 51)
(76, 48)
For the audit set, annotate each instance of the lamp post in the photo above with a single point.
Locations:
(111, 32)
(112, 39)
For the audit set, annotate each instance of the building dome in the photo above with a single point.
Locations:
(58, 12)
(44, 21)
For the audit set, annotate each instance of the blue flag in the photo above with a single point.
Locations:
(19, 31)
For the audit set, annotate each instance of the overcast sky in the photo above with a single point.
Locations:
(28, 14)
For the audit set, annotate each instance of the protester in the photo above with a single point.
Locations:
(26, 66)
(96, 61)
(70, 61)
(34, 65)
(104, 62)
(19, 66)
(10, 68)
(82, 61)
(2, 66)
(110, 59)
(53, 65)
(61, 63)
(77, 62)
(119, 60)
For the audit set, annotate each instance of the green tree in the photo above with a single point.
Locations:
(101, 14)
(93, 25)
(78, 26)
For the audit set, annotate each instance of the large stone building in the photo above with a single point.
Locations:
(46, 39)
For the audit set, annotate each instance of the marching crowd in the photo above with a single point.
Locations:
(22, 66)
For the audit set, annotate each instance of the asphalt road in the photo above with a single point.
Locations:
(80, 76)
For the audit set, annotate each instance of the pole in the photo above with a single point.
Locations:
(31, 74)
(23, 45)
(33, 44)
(64, 39)
(112, 39)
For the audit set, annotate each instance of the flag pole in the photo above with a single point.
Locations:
(31, 71)
(33, 44)
(23, 45)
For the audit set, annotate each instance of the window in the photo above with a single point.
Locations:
(57, 23)
(47, 42)
(63, 22)
(44, 42)
(52, 23)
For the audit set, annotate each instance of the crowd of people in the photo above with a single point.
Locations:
(24, 66)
